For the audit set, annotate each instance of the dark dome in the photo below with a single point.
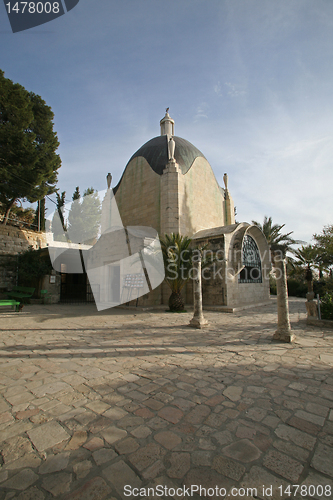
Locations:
(155, 153)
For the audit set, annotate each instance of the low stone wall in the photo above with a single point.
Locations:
(14, 240)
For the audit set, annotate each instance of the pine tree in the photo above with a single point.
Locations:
(28, 159)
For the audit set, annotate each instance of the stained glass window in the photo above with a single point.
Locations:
(251, 273)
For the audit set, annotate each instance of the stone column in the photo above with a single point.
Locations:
(170, 202)
(283, 332)
(311, 306)
(198, 320)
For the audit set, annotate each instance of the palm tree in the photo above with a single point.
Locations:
(177, 258)
(309, 258)
(275, 239)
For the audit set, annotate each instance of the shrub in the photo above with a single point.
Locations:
(32, 266)
(272, 285)
(297, 288)
(326, 306)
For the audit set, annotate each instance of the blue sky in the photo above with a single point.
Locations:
(248, 82)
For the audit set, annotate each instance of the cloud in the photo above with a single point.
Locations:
(218, 89)
(201, 111)
(235, 90)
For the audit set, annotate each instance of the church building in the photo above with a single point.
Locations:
(169, 185)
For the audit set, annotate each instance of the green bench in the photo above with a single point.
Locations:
(12, 303)
(21, 292)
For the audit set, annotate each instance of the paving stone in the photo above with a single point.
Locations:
(233, 392)
(271, 421)
(223, 437)
(141, 432)
(94, 489)
(157, 423)
(144, 413)
(20, 415)
(291, 449)
(201, 458)
(112, 434)
(171, 414)
(96, 426)
(48, 435)
(245, 432)
(228, 467)
(315, 419)
(198, 414)
(146, 456)
(120, 475)
(31, 494)
(130, 421)
(31, 460)
(283, 465)
(206, 444)
(82, 469)
(203, 479)
(51, 389)
(317, 480)
(183, 404)
(304, 425)
(94, 444)
(21, 481)
(215, 420)
(57, 484)
(153, 404)
(128, 445)
(242, 450)
(15, 448)
(323, 459)
(215, 400)
(154, 470)
(296, 436)
(262, 441)
(180, 465)
(231, 413)
(168, 439)
(54, 463)
(104, 455)
(6, 417)
(204, 431)
(3, 475)
(256, 414)
(77, 440)
(260, 479)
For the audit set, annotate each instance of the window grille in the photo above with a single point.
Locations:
(251, 273)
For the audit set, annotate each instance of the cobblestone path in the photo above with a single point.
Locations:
(106, 405)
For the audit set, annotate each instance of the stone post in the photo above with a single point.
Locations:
(283, 332)
(311, 306)
(198, 320)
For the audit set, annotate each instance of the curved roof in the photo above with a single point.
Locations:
(155, 153)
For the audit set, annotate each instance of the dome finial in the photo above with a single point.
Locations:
(167, 124)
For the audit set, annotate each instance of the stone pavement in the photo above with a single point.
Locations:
(91, 402)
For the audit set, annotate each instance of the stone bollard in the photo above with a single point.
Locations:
(198, 320)
(283, 332)
(311, 306)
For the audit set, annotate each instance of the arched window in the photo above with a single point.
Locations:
(251, 273)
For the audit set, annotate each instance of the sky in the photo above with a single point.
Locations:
(248, 82)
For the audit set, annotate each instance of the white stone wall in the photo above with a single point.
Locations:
(201, 199)
(138, 196)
